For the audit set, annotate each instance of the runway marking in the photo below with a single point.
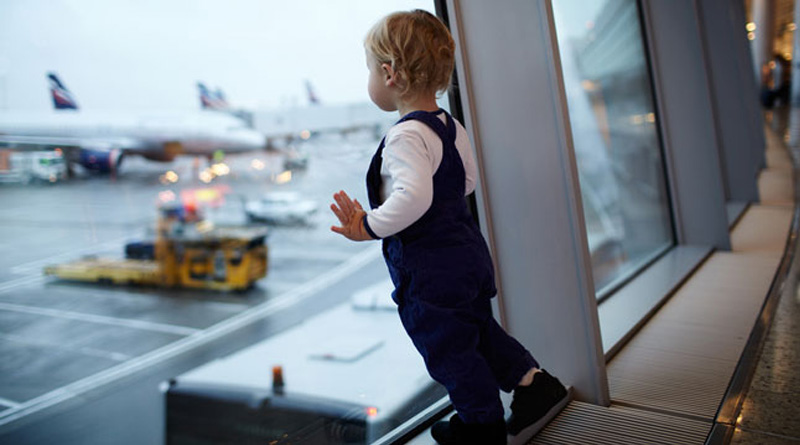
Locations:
(225, 306)
(38, 264)
(9, 403)
(289, 299)
(114, 356)
(316, 255)
(127, 293)
(19, 282)
(101, 319)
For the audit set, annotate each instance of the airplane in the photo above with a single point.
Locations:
(318, 117)
(285, 126)
(216, 101)
(99, 140)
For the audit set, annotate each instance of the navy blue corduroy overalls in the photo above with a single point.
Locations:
(444, 281)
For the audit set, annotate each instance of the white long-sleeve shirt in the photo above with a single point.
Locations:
(411, 156)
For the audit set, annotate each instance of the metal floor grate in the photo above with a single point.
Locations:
(763, 228)
(684, 358)
(585, 423)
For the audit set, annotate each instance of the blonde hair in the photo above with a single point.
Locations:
(419, 49)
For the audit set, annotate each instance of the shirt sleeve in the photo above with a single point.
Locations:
(408, 162)
(467, 159)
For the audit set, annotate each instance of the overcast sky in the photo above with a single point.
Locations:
(149, 54)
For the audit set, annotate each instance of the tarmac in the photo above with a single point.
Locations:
(83, 363)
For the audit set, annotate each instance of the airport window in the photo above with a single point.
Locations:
(614, 129)
(165, 175)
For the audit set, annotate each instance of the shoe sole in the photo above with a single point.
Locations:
(531, 430)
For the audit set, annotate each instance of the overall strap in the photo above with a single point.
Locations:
(445, 130)
(374, 176)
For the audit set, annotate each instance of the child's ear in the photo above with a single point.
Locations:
(389, 75)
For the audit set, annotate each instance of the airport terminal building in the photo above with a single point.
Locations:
(636, 188)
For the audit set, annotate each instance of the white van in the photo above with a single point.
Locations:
(29, 166)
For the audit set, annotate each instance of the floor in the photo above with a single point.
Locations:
(770, 413)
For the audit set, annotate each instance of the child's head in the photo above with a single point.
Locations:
(419, 49)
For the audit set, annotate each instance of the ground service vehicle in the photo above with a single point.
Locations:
(187, 253)
(28, 166)
(347, 376)
(281, 208)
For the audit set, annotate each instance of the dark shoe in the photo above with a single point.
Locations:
(534, 402)
(456, 432)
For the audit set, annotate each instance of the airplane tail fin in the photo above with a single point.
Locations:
(221, 97)
(313, 99)
(212, 100)
(62, 98)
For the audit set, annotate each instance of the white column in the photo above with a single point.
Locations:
(736, 111)
(686, 113)
(529, 199)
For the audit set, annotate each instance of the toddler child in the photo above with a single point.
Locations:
(437, 258)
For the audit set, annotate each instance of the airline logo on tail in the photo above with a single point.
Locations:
(212, 100)
(62, 98)
(313, 99)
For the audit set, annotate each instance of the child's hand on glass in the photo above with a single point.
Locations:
(351, 216)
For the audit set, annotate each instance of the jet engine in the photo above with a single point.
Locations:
(100, 161)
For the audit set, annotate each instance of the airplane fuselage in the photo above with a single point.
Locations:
(156, 135)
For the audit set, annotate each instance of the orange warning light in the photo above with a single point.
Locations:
(277, 378)
(372, 411)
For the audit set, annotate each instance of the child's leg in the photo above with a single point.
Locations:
(448, 339)
(533, 405)
(507, 358)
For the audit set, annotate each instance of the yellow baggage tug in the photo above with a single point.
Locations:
(187, 253)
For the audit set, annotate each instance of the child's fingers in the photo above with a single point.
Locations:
(342, 218)
(358, 205)
(339, 230)
(342, 203)
(347, 203)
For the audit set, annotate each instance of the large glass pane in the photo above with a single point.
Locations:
(117, 143)
(614, 128)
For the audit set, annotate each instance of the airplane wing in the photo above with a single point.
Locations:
(101, 144)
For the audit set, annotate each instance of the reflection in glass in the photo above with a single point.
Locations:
(613, 121)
